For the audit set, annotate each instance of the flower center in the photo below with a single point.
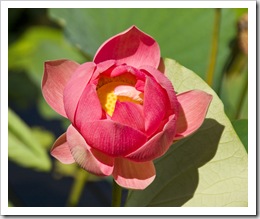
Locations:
(109, 90)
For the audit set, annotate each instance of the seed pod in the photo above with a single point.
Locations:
(243, 33)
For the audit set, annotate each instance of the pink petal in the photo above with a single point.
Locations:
(133, 47)
(89, 107)
(90, 159)
(155, 105)
(61, 151)
(56, 75)
(129, 114)
(104, 67)
(140, 85)
(123, 69)
(112, 138)
(166, 84)
(193, 109)
(133, 175)
(157, 145)
(75, 87)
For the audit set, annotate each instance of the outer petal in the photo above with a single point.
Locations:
(166, 84)
(132, 46)
(61, 151)
(155, 105)
(193, 109)
(133, 175)
(157, 145)
(112, 138)
(75, 87)
(89, 107)
(129, 114)
(88, 158)
(56, 75)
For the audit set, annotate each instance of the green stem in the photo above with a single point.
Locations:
(214, 47)
(116, 195)
(77, 187)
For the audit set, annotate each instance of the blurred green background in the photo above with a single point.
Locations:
(37, 35)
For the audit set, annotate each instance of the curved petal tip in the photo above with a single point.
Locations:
(132, 46)
(61, 151)
(193, 109)
(56, 75)
(133, 175)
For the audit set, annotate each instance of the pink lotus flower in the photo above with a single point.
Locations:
(124, 112)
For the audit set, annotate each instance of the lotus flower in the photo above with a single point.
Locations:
(124, 112)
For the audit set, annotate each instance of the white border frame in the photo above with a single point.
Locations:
(250, 210)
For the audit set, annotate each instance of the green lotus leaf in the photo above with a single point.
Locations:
(208, 168)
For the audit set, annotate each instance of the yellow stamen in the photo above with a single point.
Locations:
(106, 95)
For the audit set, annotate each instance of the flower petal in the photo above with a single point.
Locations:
(112, 138)
(157, 145)
(193, 109)
(140, 85)
(155, 105)
(129, 114)
(133, 175)
(56, 75)
(104, 68)
(166, 84)
(123, 69)
(132, 46)
(61, 151)
(75, 87)
(88, 158)
(89, 107)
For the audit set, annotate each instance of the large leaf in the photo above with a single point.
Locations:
(208, 168)
(23, 148)
(184, 34)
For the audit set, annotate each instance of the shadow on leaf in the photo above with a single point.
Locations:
(177, 175)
